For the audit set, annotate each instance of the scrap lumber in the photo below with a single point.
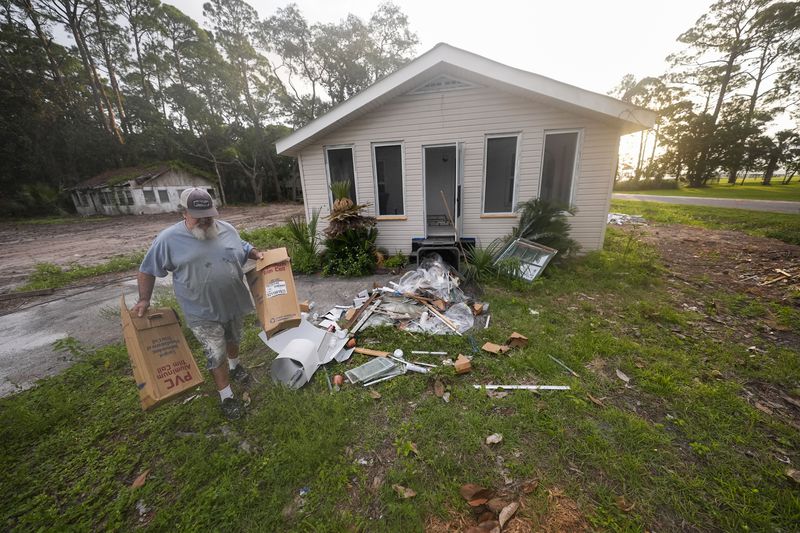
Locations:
(373, 353)
(360, 310)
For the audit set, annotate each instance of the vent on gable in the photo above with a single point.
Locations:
(443, 83)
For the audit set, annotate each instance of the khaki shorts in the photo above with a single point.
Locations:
(215, 337)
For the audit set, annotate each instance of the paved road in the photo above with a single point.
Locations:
(91, 315)
(772, 206)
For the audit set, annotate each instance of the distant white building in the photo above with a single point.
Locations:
(143, 190)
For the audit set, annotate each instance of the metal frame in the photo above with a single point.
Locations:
(540, 253)
(425, 184)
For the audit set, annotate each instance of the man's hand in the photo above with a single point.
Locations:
(140, 307)
(255, 254)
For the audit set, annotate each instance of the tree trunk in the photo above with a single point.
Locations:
(110, 67)
(54, 67)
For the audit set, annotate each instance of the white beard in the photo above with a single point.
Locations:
(205, 234)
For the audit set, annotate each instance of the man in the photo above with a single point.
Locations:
(205, 257)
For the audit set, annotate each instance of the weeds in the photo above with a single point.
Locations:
(50, 276)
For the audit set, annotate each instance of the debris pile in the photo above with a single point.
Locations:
(620, 219)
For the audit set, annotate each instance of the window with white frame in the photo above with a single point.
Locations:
(389, 178)
(163, 196)
(558, 167)
(500, 171)
(149, 196)
(341, 168)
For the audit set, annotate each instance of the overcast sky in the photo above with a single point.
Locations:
(588, 43)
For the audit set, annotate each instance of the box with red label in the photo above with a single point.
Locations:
(162, 362)
(272, 286)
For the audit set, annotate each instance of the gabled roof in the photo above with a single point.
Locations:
(138, 175)
(447, 59)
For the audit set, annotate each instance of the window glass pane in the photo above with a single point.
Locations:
(212, 193)
(163, 196)
(129, 196)
(501, 164)
(149, 197)
(389, 174)
(558, 167)
(340, 166)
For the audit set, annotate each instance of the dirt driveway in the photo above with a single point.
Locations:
(93, 241)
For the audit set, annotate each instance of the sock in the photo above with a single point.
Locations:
(225, 393)
(233, 363)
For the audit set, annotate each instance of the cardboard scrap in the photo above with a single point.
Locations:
(305, 306)
(496, 349)
(517, 340)
(272, 286)
(462, 364)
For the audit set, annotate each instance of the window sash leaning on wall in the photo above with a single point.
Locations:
(389, 172)
(560, 156)
(500, 173)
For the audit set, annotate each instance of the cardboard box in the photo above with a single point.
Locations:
(272, 286)
(162, 362)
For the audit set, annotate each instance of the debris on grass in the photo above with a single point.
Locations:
(494, 438)
(375, 395)
(596, 401)
(438, 388)
(621, 375)
(624, 505)
(404, 492)
(620, 219)
(793, 474)
(140, 479)
(522, 387)
(462, 364)
(496, 349)
(507, 512)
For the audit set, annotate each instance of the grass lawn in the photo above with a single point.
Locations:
(781, 226)
(680, 446)
(749, 191)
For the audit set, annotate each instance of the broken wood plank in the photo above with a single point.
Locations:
(360, 310)
(373, 353)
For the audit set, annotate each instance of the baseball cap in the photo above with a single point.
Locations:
(198, 203)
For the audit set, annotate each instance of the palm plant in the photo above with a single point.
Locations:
(546, 223)
(304, 234)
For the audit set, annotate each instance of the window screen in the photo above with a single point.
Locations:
(163, 196)
(389, 176)
(558, 167)
(340, 168)
(501, 165)
(149, 197)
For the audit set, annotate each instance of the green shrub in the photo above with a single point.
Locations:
(304, 243)
(351, 253)
(545, 223)
(480, 261)
(398, 260)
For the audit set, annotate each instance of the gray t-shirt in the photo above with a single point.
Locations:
(206, 274)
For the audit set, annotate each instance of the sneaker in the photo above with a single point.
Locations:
(232, 408)
(239, 374)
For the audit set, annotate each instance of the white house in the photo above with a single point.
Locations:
(455, 128)
(141, 190)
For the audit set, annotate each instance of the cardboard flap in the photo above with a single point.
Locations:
(271, 257)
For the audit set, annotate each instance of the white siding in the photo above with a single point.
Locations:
(467, 116)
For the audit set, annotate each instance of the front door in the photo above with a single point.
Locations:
(441, 168)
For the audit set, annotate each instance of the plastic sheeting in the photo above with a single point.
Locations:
(459, 314)
(432, 277)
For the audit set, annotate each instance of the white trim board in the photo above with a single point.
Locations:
(628, 117)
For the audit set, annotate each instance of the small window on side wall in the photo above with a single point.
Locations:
(340, 168)
(389, 178)
(558, 167)
(163, 196)
(501, 174)
(149, 197)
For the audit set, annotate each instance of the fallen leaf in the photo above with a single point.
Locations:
(246, 398)
(414, 449)
(530, 486)
(763, 408)
(496, 504)
(496, 394)
(446, 397)
(494, 438)
(624, 506)
(596, 401)
(621, 375)
(190, 398)
(485, 517)
(793, 474)
(404, 492)
(438, 389)
(375, 394)
(477, 501)
(469, 490)
(507, 513)
(139, 481)
(377, 483)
